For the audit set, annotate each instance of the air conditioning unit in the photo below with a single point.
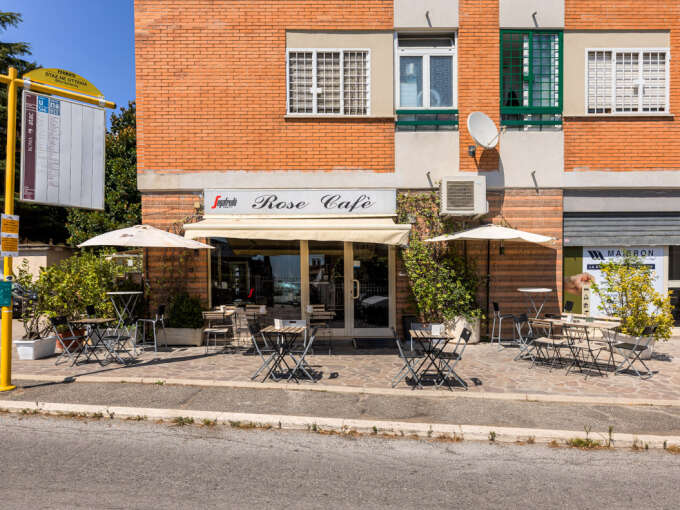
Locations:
(464, 195)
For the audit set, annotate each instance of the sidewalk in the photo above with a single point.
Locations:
(484, 367)
(413, 409)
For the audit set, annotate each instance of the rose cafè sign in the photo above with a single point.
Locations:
(301, 201)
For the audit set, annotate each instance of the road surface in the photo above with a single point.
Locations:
(73, 463)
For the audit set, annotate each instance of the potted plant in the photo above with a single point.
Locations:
(184, 324)
(65, 289)
(627, 292)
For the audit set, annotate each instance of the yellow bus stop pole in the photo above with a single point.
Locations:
(6, 324)
(12, 83)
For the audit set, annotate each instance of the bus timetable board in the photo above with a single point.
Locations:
(62, 152)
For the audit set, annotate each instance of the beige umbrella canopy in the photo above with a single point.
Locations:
(143, 236)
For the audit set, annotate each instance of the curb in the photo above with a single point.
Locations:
(357, 390)
(439, 431)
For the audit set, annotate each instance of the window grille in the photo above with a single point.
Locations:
(628, 82)
(531, 77)
(328, 82)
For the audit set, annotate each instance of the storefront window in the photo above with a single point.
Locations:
(258, 272)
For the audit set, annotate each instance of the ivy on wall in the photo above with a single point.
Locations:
(443, 283)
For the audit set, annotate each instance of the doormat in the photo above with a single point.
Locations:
(373, 343)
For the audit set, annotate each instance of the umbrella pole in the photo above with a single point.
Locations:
(488, 282)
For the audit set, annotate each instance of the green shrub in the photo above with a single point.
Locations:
(185, 312)
(627, 292)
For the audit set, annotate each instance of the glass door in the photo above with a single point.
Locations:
(370, 291)
(327, 282)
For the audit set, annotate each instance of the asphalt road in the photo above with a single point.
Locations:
(66, 463)
(461, 410)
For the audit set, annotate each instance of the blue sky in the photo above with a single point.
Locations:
(92, 38)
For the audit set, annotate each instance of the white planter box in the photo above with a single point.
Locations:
(455, 327)
(36, 349)
(180, 336)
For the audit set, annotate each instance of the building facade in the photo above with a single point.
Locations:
(282, 131)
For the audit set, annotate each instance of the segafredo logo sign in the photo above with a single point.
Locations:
(301, 201)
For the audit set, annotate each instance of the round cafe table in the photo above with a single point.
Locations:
(534, 294)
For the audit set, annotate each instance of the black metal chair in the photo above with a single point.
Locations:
(525, 338)
(114, 338)
(498, 317)
(631, 352)
(450, 359)
(410, 357)
(69, 341)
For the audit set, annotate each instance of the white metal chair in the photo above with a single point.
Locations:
(157, 321)
(498, 318)
(218, 326)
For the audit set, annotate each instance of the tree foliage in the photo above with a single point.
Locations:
(628, 293)
(122, 200)
(443, 283)
(38, 222)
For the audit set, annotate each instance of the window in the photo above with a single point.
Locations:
(625, 81)
(426, 83)
(531, 77)
(328, 82)
(427, 72)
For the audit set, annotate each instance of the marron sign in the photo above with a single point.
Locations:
(300, 201)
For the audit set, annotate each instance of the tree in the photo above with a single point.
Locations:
(38, 222)
(122, 199)
(627, 292)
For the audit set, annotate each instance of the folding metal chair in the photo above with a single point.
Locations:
(450, 359)
(266, 352)
(631, 352)
(525, 340)
(69, 344)
(114, 338)
(410, 358)
(498, 318)
(300, 363)
(217, 326)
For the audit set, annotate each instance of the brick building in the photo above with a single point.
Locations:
(282, 130)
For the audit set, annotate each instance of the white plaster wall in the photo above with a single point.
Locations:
(416, 153)
(518, 13)
(412, 14)
(524, 152)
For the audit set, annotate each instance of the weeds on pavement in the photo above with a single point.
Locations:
(181, 421)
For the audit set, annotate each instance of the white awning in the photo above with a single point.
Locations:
(382, 230)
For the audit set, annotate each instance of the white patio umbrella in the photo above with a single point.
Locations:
(490, 233)
(143, 236)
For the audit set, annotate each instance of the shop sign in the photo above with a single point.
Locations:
(288, 202)
(651, 256)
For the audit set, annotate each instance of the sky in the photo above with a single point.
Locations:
(92, 38)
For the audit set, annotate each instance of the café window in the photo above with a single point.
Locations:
(257, 272)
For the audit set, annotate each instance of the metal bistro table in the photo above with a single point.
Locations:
(124, 303)
(97, 338)
(282, 340)
(433, 345)
(530, 292)
(584, 347)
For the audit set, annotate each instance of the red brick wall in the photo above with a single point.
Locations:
(625, 143)
(478, 76)
(211, 87)
(169, 211)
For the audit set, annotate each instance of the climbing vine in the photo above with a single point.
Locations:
(443, 283)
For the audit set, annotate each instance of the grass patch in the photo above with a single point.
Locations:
(584, 444)
(136, 418)
(207, 422)
(674, 448)
(181, 421)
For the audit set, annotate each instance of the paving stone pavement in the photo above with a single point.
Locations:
(484, 367)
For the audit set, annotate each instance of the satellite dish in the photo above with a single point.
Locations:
(482, 129)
